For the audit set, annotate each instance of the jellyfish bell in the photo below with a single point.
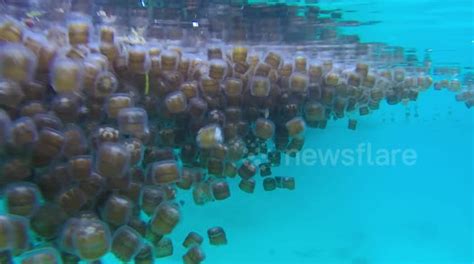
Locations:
(79, 28)
(23, 133)
(150, 198)
(11, 30)
(126, 243)
(220, 190)
(47, 220)
(192, 239)
(67, 236)
(22, 198)
(209, 136)
(133, 121)
(217, 236)
(72, 200)
(269, 184)
(107, 34)
(288, 183)
(247, 170)
(300, 63)
(260, 87)
(264, 128)
(146, 254)
(117, 101)
(48, 147)
(165, 219)
(112, 160)
(239, 54)
(169, 60)
(91, 240)
(75, 142)
(138, 59)
(164, 247)
(164, 172)
(17, 63)
(194, 255)
(66, 75)
(11, 94)
(176, 102)
(117, 210)
(217, 69)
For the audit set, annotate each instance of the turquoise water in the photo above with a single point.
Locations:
(366, 213)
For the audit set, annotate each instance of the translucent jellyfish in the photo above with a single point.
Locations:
(126, 243)
(112, 160)
(295, 126)
(72, 200)
(217, 69)
(66, 76)
(17, 63)
(264, 128)
(260, 87)
(133, 121)
(217, 236)
(164, 247)
(169, 60)
(11, 94)
(47, 220)
(176, 102)
(91, 240)
(105, 84)
(192, 239)
(247, 185)
(299, 83)
(146, 254)
(22, 198)
(23, 132)
(117, 210)
(209, 136)
(164, 172)
(150, 198)
(80, 29)
(220, 190)
(116, 102)
(165, 219)
(67, 236)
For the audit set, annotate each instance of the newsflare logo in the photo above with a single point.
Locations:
(364, 154)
